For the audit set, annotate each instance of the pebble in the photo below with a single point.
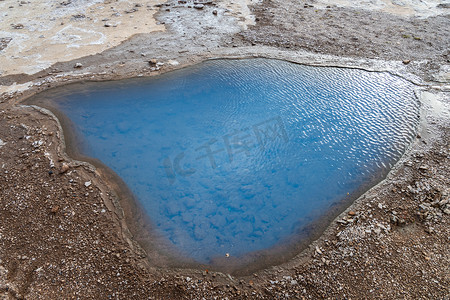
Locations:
(173, 62)
(78, 65)
(406, 61)
(318, 251)
(87, 183)
(17, 26)
(199, 6)
(64, 168)
(423, 167)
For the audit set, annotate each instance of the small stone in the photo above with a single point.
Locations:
(17, 26)
(351, 213)
(394, 219)
(215, 12)
(429, 230)
(78, 65)
(87, 183)
(406, 61)
(318, 251)
(343, 222)
(199, 6)
(227, 255)
(64, 168)
(55, 209)
(173, 62)
(423, 168)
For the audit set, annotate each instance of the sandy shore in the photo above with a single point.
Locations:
(63, 233)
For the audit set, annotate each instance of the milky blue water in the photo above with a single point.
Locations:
(235, 156)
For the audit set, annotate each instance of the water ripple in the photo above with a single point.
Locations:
(235, 156)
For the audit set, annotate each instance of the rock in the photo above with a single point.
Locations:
(318, 251)
(199, 6)
(394, 219)
(351, 213)
(202, 1)
(343, 222)
(429, 230)
(423, 168)
(64, 168)
(88, 183)
(215, 12)
(17, 26)
(406, 61)
(78, 66)
(4, 42)
(443, 5)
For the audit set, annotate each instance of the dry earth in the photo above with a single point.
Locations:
(62, 232)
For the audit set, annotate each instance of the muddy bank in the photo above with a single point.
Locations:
(62, 232)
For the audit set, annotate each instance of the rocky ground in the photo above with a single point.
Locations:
(63, 234)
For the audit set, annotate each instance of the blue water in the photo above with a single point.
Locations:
(235, 156)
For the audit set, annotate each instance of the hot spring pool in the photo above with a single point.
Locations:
(237, 156)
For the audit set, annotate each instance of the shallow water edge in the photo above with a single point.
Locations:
(165, 256)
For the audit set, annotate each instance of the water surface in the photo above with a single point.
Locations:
(236, 156)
